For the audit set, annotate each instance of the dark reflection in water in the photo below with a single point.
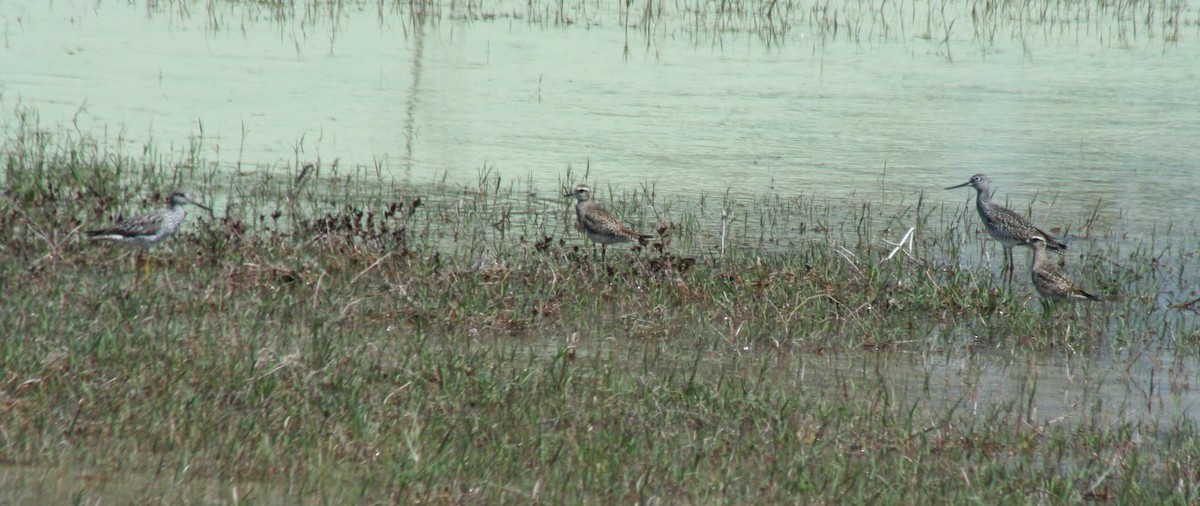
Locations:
(414, 93)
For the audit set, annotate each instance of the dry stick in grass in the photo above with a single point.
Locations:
(317, 290)
(802, 303)
(847, 254)
(724, 226)
(55, 246)
(899, 246)
(1187, 305)
(1112, 464)
(369, 267)
(346, 308)
(653, 208)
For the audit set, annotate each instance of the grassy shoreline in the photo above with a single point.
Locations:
(340, 337)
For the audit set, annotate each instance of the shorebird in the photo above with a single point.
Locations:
(600, 225)
(1004, 224)
(1049, 279)
(146, 230)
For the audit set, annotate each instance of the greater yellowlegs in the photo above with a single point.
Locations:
(600, 225)
(1004, 224)
(1049, 279)
(146, 230)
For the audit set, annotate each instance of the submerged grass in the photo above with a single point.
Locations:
(948, 26)
(328, 335)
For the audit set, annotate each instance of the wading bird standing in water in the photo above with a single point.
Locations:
(1004, 224)
(600, 225)
(1049, 279)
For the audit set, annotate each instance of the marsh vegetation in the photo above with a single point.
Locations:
(341, 331)
(770, 21)
(331, 335)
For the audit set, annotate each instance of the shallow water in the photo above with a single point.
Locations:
(1075, 115)
(1065, 387)
(1078, 108)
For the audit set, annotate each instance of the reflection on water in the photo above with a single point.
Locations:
(1071, 117)
(1067, 388)
(1081, 112)
(414, 93)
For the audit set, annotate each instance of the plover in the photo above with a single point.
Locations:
(600, 225)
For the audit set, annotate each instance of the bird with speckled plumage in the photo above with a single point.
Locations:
(600, 225)
(1004, 224)
(146, 230)
(1050, 280)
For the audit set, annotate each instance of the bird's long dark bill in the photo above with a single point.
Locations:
(959, 186)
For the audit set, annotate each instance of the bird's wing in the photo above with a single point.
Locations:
(600, 220)
(1006, 218)
(143, 225)
(1052, 243)
(1051, 275)
(1055, 277)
